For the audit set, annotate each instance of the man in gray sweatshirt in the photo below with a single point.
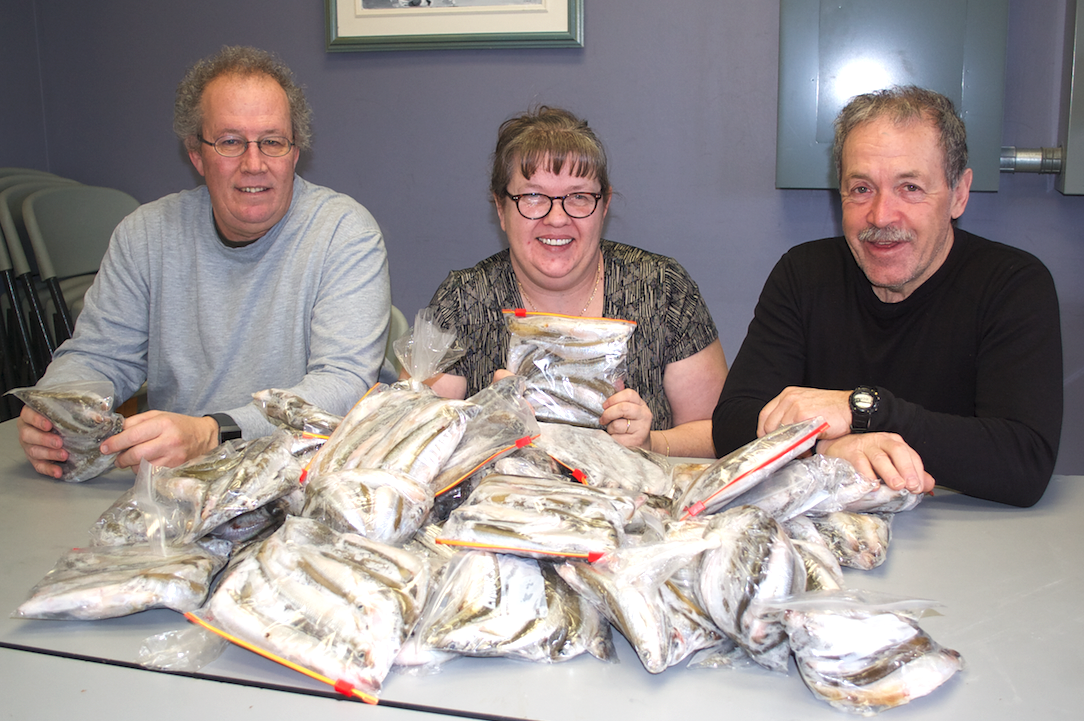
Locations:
(256, 280)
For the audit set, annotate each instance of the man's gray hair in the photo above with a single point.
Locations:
(903, 105)
(244, 62)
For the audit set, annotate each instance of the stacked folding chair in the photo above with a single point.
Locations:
(55, 233)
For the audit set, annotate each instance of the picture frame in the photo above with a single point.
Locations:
(372, 25)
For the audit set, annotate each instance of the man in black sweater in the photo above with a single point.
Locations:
(935, 355)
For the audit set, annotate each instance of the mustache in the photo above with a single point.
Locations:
(888, 234)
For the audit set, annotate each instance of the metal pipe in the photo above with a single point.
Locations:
(1031, 160)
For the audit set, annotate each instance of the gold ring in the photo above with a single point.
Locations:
(628, 424)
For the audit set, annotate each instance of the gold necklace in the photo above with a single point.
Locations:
(598, 277)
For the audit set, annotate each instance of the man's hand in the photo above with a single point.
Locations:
(42, 446)
(795, 404)
(881, 455)
(163, 439)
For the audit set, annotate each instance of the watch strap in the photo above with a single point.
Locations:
(228, 429)
(863, 402)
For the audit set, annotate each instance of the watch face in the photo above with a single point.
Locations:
(863, 405)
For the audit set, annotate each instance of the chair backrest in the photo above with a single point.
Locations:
(19, 252)
(69, 226)
(29, 320)
(5, 258)
(4, 172)
(9, 181)
(396, 328)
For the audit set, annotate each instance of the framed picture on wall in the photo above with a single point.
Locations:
(362, 25)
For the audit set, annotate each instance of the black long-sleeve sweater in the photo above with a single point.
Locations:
(969, 366)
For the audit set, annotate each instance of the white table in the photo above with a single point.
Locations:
(1010, 581)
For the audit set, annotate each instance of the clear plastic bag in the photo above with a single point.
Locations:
(405, 428)
(176, 495)
(87, 584)
(336, 606)
(865, 652)
(859, 540)
(753, 561)
(604, 462)
(503, 423)
(540, 518)
(802, 484)
(160, 527)
(737, 472)
(822, 569)
(236, 492)
(82, 415)
(290, 410)
(515, 608)
(427, 350)
(572, 365)
(883, 499)
(647, 591)
(266, 471)
(380, 505)
(186, 650)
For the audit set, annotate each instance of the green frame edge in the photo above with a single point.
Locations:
(572, 38)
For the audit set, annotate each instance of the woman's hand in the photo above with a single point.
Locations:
(627, 418)
(447, 385)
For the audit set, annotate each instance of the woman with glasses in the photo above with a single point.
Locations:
(550, 185)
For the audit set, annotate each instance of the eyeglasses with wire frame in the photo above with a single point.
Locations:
(534, 206)
(234, 146)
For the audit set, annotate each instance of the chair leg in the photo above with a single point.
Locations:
(63, 317)
(21, 327)
(7, 370)
(20, 361)
(43, 340)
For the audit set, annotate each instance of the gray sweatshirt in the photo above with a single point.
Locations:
(304, 308)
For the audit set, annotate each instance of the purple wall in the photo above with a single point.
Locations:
(21, 120)
(683, 95)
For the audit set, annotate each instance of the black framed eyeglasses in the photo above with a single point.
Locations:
(234, 146)
(534, 206)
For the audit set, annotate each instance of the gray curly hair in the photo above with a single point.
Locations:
(903, 105)
(244, 62)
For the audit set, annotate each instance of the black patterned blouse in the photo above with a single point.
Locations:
(672, 320)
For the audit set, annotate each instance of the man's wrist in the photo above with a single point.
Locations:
(228, 429)
(863, 402)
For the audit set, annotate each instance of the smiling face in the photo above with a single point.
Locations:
(555, 253)
(252, 192)
(897, 205)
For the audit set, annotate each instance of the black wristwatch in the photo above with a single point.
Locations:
(864, 402)
(227, 427)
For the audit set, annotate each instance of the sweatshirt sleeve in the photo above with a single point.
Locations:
(110, 339)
